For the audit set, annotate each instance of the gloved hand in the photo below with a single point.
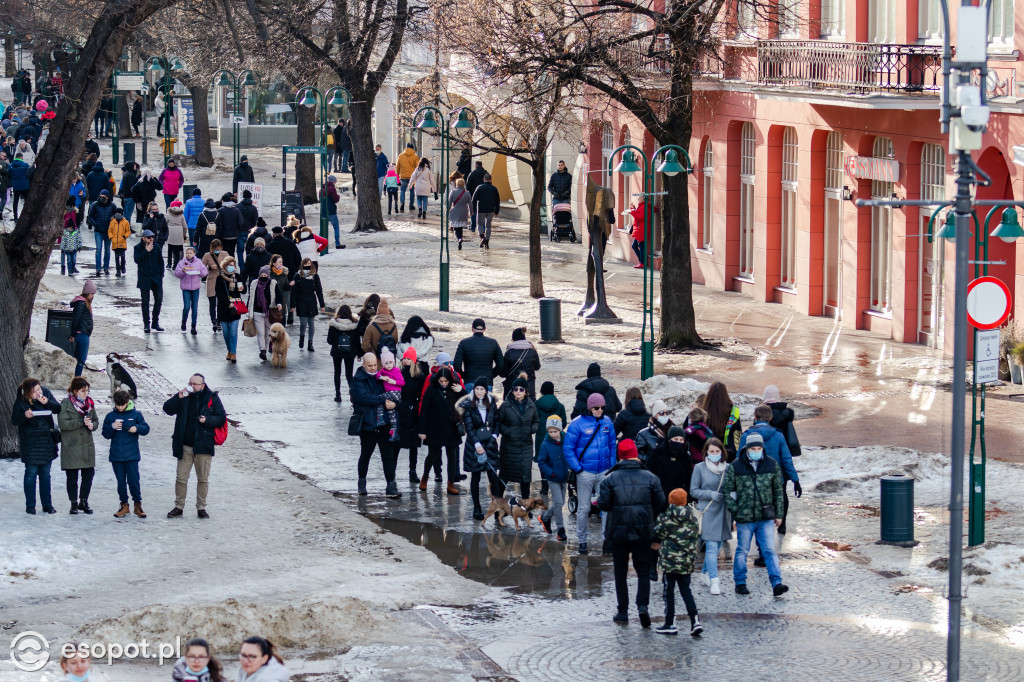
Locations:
(797, 490)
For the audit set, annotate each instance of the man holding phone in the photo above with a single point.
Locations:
(198, 413)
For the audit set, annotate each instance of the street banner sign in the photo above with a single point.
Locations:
(305, 150)
(257, 193)
(986, 356)
(988, 302)
(130, 80)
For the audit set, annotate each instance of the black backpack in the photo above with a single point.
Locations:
(342, 345)
(386, 341)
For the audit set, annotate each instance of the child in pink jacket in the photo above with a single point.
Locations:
(390, 375)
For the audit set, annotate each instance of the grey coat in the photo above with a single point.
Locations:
(716, 525)
(77, 447)
(459, 216)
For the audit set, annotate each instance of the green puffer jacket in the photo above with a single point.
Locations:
(678, 532)
(746, 491)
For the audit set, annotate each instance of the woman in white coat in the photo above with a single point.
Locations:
(424, 184)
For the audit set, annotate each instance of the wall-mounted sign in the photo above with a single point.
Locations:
(872, 168)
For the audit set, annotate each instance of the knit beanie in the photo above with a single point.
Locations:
(676, 431)
(595, 400)
(678, 497)
(627, 449)
(553, 422)
(410, 353)
(520, 382)
(88, 288)
(386, 355)
(482, 381)
(518, 334)
(659, 406)
(594, 370)
(443, 359)
(547, 388)
(771, 394)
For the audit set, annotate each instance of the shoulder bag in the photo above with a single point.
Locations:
(249, 324)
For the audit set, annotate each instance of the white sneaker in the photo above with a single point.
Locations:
(716, 587)
(704, 579)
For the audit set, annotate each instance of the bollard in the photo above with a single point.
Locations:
(550, 320)
(897, 511)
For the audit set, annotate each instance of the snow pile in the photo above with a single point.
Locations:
(855, 472)
(326, 622)
(52, 366)
(680, 394)
(23, 560)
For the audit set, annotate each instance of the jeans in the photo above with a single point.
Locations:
(81, 352)
(349, 361)
(641, 552)
(119, 261)
(586, 484)
(68, 258)
(330, 158)
(240, 253)
(764, 532)
(557, 491)
(191, 300)
(421, 203)
(306, 322)
(403, 187)
(434, 457)
(392, 198)
(377, 438)
(484, 221)
(669, 582)
(193, 242)
(168, 198)
(380, 185)
(157, 289)
(230, 332)
(102, 250)
(638, 249)
(711, 550)
(76, 493)
(346, 156)
(42, 472)
(333, 220)
(128, 204)
(127, 475)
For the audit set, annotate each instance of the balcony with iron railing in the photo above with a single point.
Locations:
(650, 57)
(863, 68)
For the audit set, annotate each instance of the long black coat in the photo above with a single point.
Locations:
(35, 435)
(634, 498)
(517, 424)
(306, 293)
(150, 265)
(409, 408)
(782, 419)
(672, 464)
(479, 430)
(208, 405)
(438, 418)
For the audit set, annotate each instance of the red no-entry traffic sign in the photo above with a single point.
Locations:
(988, 303)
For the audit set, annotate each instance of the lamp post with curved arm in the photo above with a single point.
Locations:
(308, 96)
(628, 167)
(433, 119)
(247, 78)
(156, 66)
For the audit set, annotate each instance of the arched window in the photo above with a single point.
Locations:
(748, 168)
(790, 152)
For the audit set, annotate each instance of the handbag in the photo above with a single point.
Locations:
(240, 307)
(355, 424)
(249, 327)
(274, 315)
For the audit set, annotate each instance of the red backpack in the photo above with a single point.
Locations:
(220, 434)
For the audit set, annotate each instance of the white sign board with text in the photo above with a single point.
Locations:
(257, 193)
(986, 356)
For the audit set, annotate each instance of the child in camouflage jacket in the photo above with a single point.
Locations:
(676, 535)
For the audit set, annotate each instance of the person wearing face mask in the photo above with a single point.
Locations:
(33, 413)
(672, 464)
(265, 303)
(156, 223)
(716, 523)
(753, 494)
(438, 425)
(656, 432)
(479, 412)
(307, 292)
(75, 664)
(229, 289)
(150, 265)
(190, 271)
(177, 233)
(212, 262)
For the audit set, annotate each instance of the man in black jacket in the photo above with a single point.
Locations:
(479, 356)
(474, 180)
(198, 413)
(282, 246)
(342, 147)
(243, 173)
(595, 383)
(633, 498)
(485, 205)
(229, 223)
(560, 184)
(150, 263)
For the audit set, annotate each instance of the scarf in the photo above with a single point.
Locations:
(716, 468)
(262, 300)
(277, 269)
(82, 407)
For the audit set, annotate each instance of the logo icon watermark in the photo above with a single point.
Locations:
(30, 652)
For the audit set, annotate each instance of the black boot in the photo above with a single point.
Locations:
(83, 505)
(310, 346)
(302, 342)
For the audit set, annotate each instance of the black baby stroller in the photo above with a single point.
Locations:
(562, 223)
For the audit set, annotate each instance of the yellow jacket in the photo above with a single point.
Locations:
(119, 233)
(406, 164)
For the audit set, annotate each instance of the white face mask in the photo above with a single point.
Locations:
(662, 419)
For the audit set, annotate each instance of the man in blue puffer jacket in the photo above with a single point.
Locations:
(590, 452)
(193, 207)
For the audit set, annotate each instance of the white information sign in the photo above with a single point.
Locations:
(986, 356)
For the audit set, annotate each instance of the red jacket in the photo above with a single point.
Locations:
(639, 220)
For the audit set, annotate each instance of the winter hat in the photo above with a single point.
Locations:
(259, 241)
(595, 400)
(659, 406)
(243, 158)
(482, 381)
(754, 439)
(277, 229)
(386, 355)
(676, 431)
(442, 359)
(678, 497)
(210, 203)
(260, 222)
(547, 388)
(627, 449)
(265, 270)
(771, 394)
(246, 194)
(479, 325)
(410, 353)
(70, 202)
(105, 193)
(520, 383)
(227, 196)
(331, 178)
(88, 288)
(175, 203)
(197, 192)
(409, 146)
(554, 421)
(594, 370)
(382, 308)
(518, 334)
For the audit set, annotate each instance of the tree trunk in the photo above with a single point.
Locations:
(369, 217)
(10, 62)
(306, 164)
(26, 249)
(678, 320)
(536, 201)
(204, 153)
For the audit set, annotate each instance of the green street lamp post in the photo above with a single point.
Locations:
(629, 167)
(156, 66)
(238, 83)
(433, 120)
(335, 96)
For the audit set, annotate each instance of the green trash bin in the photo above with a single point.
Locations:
(550, 320)
(897, 511)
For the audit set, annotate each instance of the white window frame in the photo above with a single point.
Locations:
(881, 235)
(882, 21)
(834, 178)
(833, 18)
(929, 20)
(790, 175)
(1000, 23)
(607, 146)
(746, 19)
(748, 171)
(789, 18)
(707, 177)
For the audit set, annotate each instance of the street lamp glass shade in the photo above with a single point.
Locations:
(308, 99)
(224, 81)
(1009, 229)
(463, 122)
(628, 165)
(155, 67)
(250, 81)
(671, 166)
(338, 99)
(177, 65)
(948, 230)
(428, 120)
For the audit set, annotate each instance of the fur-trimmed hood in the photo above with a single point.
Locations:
(343, 325)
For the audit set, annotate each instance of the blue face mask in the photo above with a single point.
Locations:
(715, 457)
(197, 672)
(755, 455)
(75, 678)
(230, 268)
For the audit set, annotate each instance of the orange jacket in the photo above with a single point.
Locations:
(119, 233)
